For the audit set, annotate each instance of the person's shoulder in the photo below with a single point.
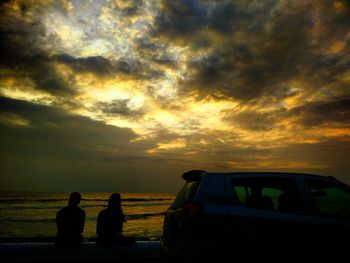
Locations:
(62, 210)
(103, 211)
(81, 210)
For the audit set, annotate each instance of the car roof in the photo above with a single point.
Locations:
(197, 174)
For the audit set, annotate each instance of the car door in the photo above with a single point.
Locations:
(268, 212)
(331, 202)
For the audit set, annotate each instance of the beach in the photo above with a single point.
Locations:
(30, 216)
(28, 227)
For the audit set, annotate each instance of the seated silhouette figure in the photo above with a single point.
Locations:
(70, 223)
(259, 201)
(288, 202)
(110, 221)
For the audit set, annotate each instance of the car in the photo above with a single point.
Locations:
(218, 214)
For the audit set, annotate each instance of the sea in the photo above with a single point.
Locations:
(32, 214)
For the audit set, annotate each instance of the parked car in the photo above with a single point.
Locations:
(218, 214)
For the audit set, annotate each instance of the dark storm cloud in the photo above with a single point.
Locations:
(128, 7)
(22, 54)
(119, 108)
(58, 151)
(255, 69)
(333, 112)
(254, 121)
(57, 147)
(52, 131)
(186, 20)
(165, 61)
(103, 67)
(180, 18)
(156, 52)
(262, 47)
(97, 64)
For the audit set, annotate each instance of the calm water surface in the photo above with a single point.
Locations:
(32, 214)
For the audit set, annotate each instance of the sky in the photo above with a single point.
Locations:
(127, 95)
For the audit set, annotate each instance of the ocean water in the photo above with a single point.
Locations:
(32, 214)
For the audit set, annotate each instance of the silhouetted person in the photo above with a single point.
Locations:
(110, 221)
(70, 223)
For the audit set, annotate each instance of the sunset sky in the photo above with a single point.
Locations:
(127, 95)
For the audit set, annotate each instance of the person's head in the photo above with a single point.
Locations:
(74, 199)
(114, 201)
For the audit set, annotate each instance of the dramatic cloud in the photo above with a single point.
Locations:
(46, 148)
(118, 107)
(335, 112)
(22, 55)
(256, 50)
(131, 91)
(253, 120)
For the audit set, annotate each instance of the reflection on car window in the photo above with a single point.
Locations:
(275, 194)
(331, 199)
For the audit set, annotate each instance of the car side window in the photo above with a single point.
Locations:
(275, 194)
(331, 199)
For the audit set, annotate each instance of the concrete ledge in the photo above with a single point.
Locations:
(87, 251)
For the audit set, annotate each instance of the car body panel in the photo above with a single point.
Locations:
(224, 223)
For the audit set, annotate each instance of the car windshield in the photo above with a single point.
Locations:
(186, 194)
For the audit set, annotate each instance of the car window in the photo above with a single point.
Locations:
(275, 194)
(186, 194)
(331, 200)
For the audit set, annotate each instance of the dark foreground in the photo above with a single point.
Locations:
(149, 251)
(140, 251)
